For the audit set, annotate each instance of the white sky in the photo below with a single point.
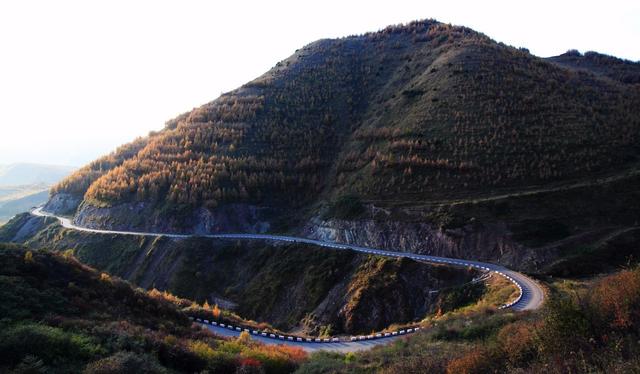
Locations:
(78, 78)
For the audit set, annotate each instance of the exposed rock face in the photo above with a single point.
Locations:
(487, 242)
(143, 217)
(63, 204)
(383, 292)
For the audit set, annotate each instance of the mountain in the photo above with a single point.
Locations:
(28, 174)
(424, 138)
(408, 115)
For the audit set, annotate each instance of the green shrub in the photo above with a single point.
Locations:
(323, 362)
(566, 327)
(51, 344)
(458, 297)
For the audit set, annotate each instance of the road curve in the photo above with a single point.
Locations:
(531, 294)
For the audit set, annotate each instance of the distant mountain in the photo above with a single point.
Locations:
(27, 174)
(11, 207)
(24, 185)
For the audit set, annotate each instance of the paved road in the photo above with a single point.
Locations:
(531, 296)
(342, 346)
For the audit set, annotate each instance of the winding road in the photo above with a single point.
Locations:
(531, 294)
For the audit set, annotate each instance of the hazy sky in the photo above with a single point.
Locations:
(78, 78)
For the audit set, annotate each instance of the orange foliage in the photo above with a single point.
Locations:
(496, 117)
(616, 299)
(516, 340)
(295, 354)
(166, 296)
(250, 362)
(475, 361)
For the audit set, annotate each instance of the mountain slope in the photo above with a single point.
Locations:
(60, 316)
(417, 112)
(290, 286)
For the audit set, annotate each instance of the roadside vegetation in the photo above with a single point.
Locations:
(61, 316)
(590, 327)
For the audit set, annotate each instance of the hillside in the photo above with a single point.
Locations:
(588, 327)
(292, 287)
(62, 317)
(408, 115)
(59, 316)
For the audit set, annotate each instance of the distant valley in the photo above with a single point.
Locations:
(25, 185)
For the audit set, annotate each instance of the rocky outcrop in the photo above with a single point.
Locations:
(63, 204)
(382, 292)
(145, 217)
(486, 242)
(491, 242)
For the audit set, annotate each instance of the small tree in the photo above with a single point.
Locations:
(244, 337)
(28, 257)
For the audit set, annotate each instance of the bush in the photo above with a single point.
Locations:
(50, 344)
(217, 360)
(125, 363)
(517, 341)
(323, 362)
(615, 301)
(565, 327)
(458, 297)
(477, 360)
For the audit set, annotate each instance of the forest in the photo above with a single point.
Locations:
(419, 111)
